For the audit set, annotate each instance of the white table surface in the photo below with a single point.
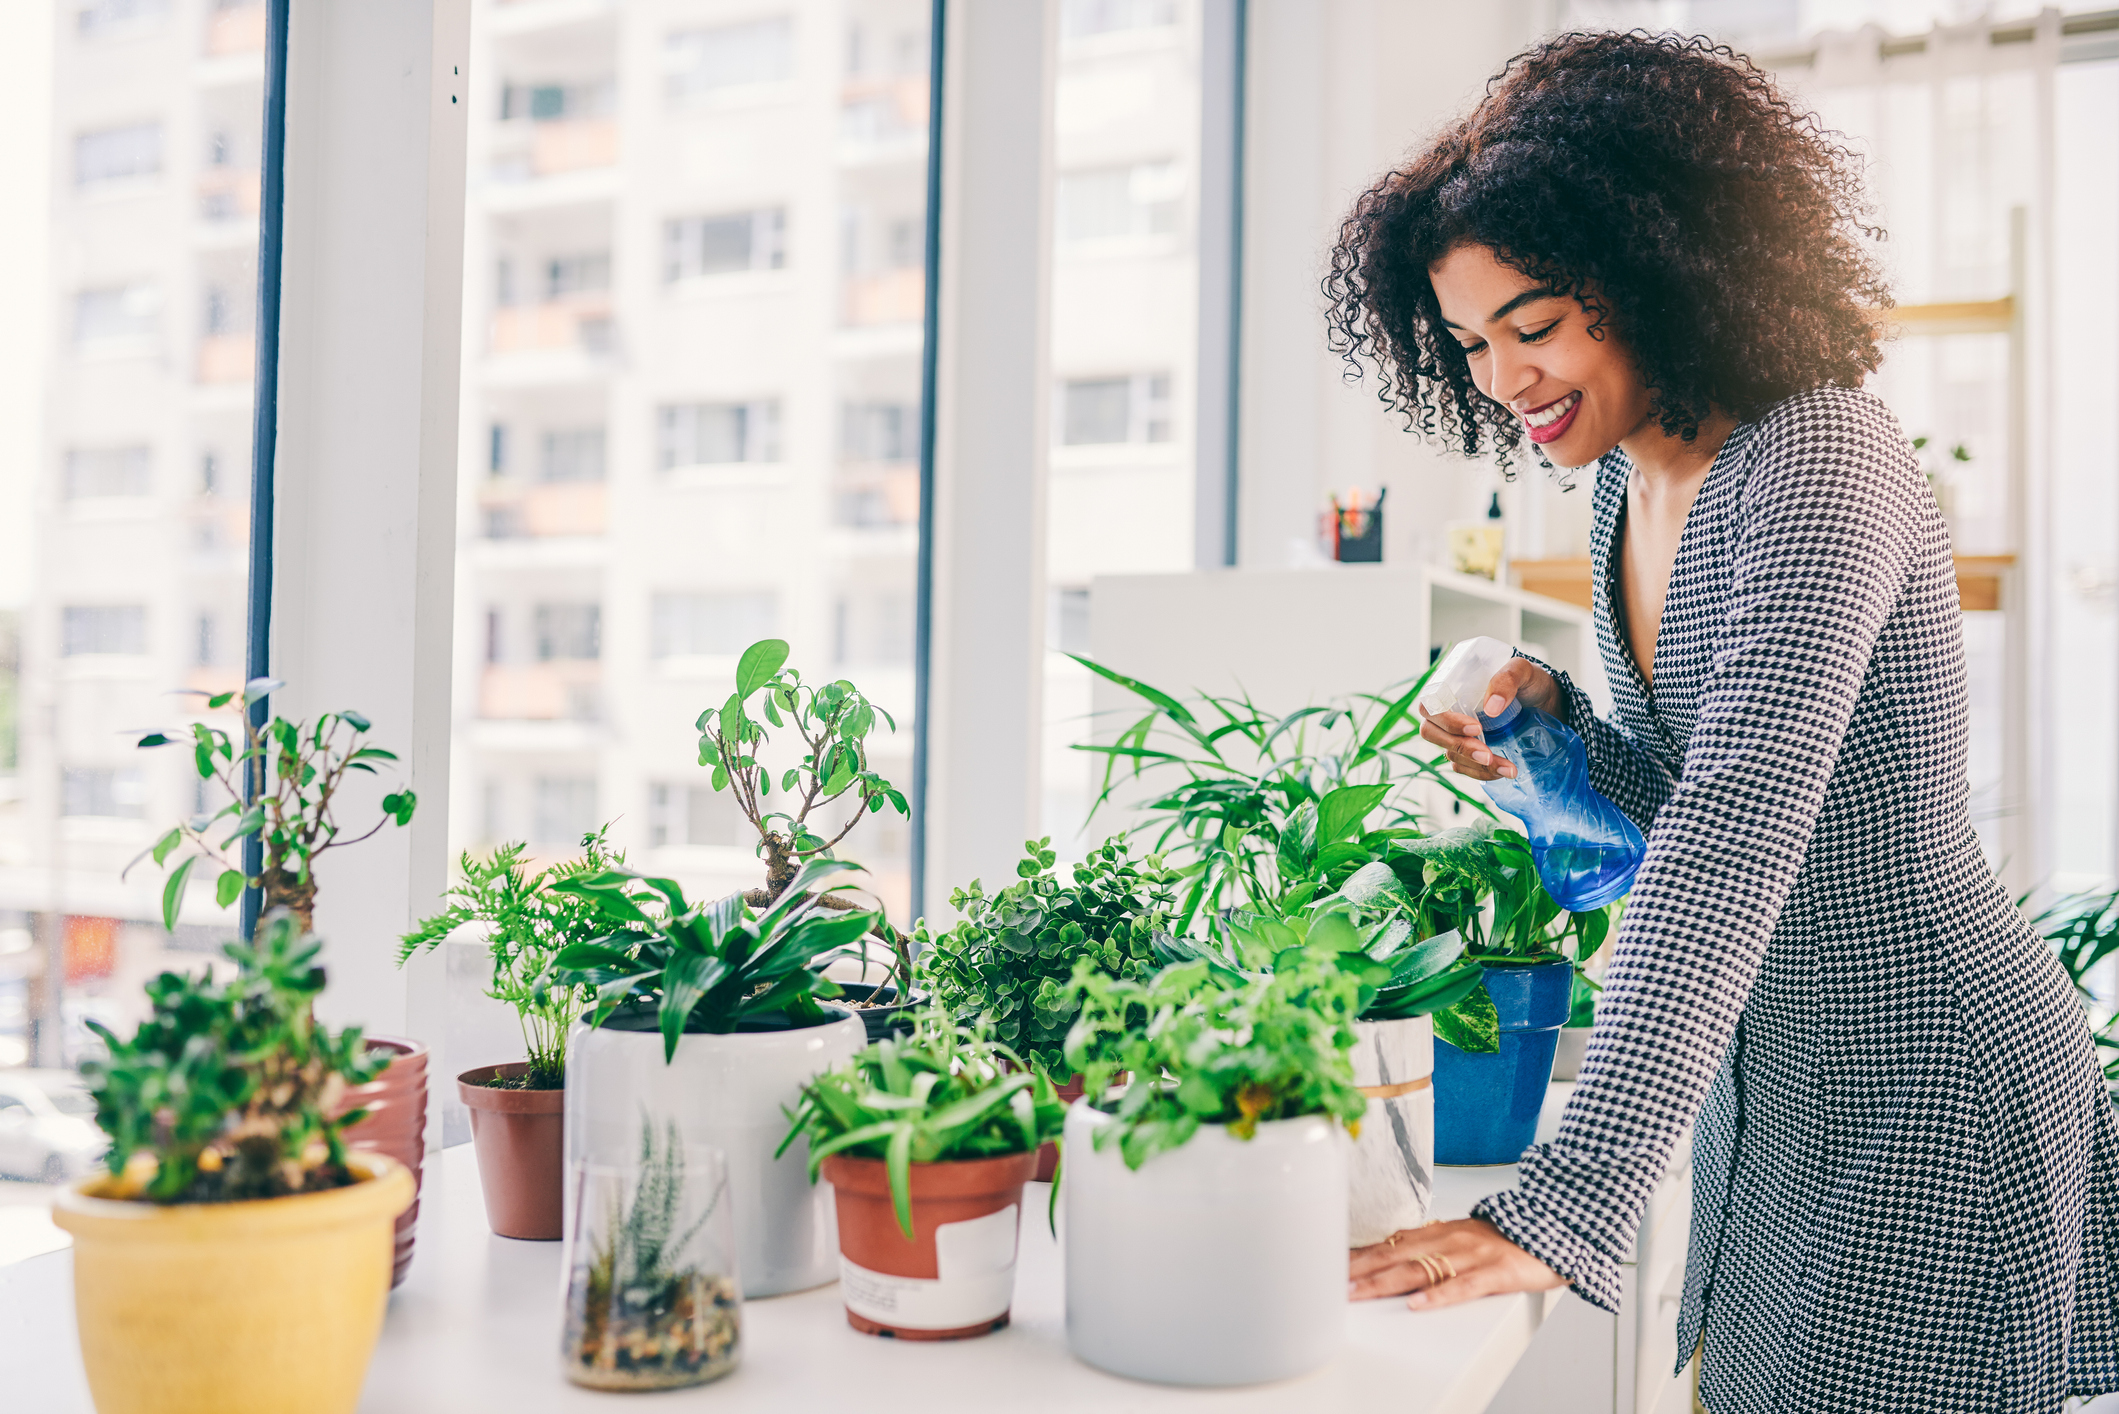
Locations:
(475, 1329)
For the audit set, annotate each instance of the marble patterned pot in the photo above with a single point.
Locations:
(1391, 1168)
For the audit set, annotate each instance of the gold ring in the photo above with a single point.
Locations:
(1392, 1239)
(1449, 1268)
(1429, 1265)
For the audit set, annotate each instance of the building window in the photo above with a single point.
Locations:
(116, 312)
(879, 432)
(714, 434)
(575, 454)
(1080, 19)
(694, 815)
(569, 632)
(206, 649)
(724, 244)
(96, 629)
(580, 274)
(112, 792)
(703, 61)
(209, 473)
(228, 309)
(557, 103)
(565, 810)
(1105, 410)
(1118, 203)
(497, 449)
(104, 19)
(722, 623)
(493, 640)
(115, 154)
(108, 471)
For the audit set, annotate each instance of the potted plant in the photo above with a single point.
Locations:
(236, 1256)
(1205, 1206)
(516, 1107)
(1008, 961)
(832, 774)
(281, 780)
(2084, 930)
(711, 1017)
(928, 1142)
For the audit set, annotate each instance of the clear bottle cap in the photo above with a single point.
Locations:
(1460, 680)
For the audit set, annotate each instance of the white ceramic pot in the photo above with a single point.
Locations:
(732, 1092)
(1391, 1172)
(1573, 1053)
(1219, 1263)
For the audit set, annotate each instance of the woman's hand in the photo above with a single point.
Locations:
(1460, 736)
(1464, 1261)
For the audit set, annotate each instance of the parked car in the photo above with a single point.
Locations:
(48, 1130)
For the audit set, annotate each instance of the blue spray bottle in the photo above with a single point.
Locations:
(1586, 849)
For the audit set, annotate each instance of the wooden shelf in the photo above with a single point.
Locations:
(1979, 579)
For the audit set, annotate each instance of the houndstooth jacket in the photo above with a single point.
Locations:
(1906, 1183)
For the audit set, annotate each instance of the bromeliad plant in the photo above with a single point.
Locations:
(945, 1093)
(226, 1091)
(1207, 1048)
(1008, 961)
(304, 765)
(709, 967)
(529, 921)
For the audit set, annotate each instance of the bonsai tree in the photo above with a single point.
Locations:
(299, 768)
(945, 1093)
(529, 921)
(226, 1091)
(1008, 961)
(706, 967)
(1206, 1048)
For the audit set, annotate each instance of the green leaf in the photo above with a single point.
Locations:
(166, 844)
(355, 720)
(229, 887)
(758, 665)
(1472, 1024)
(732, 719)
(173, 893)
(1341, 812)
(399, 806)
(1157, 696)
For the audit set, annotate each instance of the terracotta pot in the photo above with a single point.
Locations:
(956, 1277)
(396, 1125)
(1048, 1152)
(518, 1135)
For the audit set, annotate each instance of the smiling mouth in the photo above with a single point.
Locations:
(1547, 423)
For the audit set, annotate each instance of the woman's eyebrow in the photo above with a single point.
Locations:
(1527, 297)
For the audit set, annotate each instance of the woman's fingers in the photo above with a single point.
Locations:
(1444, 1264)
(1460, 737)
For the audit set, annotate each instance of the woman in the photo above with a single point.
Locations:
(1636, 253)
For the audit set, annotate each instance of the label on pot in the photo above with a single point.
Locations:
(976, 1262)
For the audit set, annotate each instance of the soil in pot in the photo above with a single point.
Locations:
(396, 1102)
(881, 1013)
(519, 1135)
(955, 1278)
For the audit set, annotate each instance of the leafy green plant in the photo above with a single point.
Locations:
(2084, 931)
(710, 967)
(1010, 957)
(528, 922)
(1207, 1048)
(302, 766)
(225, 1092)
(946, 1092)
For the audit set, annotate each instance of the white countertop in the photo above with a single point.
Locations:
(475, 1328)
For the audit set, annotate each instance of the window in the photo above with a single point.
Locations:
(116, 313)
(497, 449)
(879, 432)
(723, 245)
(695, 815)
(575, 454)
(1128, 409)
(229, 308)
(569, 632)
(711, 623)
(714, 434)
(206, 647)
(577, 274)
(115, 792)
(556, 102)
(565, 810)
(1117, 203)
(493, 638)
(703, 61)
(105, 19)
(209, 473)
(86, 629)
(108, 471)
(1079, 19)
(114, 154)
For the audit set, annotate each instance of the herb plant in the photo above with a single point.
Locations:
(1008, 961)
(225, 1092)
(1207, 1048)
(710, 967)
(301, 766)
(2084, 930)
(946, 1092)
(528, 923)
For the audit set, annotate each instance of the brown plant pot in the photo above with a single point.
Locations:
(1048, 1152)
(396, 1125)
(518, 1136)
(893, 1287)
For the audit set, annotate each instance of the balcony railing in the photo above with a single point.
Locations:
(238, 30)
(545, 149)
(568, 691)
(566, 508)
(581, 321)
(891, 297)
(873, 495)
(880, 112)
(228, 194)
(227, 358)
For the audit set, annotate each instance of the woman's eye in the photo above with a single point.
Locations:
(1473, 350)
(1534, 335)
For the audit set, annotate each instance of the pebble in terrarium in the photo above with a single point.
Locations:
(653, 1301)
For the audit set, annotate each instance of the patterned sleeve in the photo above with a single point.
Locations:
(1821, 545)
(1622, 772)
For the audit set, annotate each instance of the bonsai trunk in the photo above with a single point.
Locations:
(285, 889)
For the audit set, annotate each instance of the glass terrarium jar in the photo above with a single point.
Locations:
(652, 1301)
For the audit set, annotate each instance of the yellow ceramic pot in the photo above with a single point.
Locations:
(233, 1308)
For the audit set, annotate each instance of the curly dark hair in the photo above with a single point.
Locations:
(1662, 182)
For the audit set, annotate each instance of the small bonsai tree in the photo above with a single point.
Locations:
(226, 1091)
(528, 922)
(301, 766)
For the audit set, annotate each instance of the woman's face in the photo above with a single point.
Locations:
(1531, 351)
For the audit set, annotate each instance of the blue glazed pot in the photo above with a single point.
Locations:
(1486, 1106)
